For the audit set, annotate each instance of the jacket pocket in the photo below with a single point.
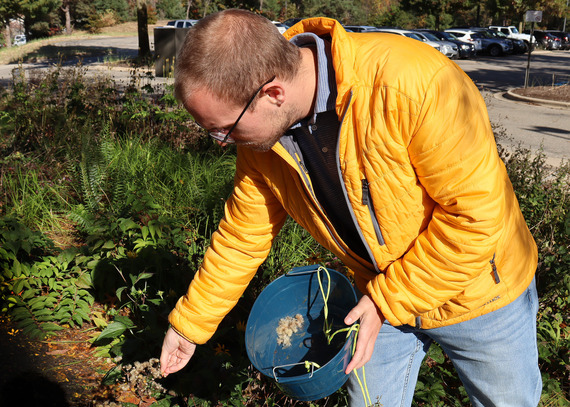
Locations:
(367, 200)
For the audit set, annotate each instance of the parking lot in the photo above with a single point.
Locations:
(506, 72)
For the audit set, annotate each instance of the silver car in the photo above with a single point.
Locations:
(410, 34)
(449, 49)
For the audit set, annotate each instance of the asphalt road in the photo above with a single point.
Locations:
(530, 125)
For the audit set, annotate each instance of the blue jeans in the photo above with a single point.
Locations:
(495, 356)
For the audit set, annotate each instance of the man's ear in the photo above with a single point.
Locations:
(275, 93)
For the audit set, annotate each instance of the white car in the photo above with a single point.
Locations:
(469, 36)
(20, 39)
(511, 32)
(410, 34)
(181, 23)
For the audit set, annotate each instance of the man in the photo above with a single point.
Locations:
(382, 149)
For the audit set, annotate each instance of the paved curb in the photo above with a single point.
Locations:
(512, 95)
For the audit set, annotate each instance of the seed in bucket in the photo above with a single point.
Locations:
(287, 327)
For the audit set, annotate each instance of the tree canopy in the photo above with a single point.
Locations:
(46, 17)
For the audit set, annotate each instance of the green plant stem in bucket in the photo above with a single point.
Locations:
(327, 327)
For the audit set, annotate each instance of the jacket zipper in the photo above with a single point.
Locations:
(495, 272)
(367, 200)
(343, 186)
(308, 185)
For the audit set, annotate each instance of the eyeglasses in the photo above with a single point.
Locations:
(225, 137)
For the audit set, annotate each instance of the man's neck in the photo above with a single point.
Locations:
(305, 83)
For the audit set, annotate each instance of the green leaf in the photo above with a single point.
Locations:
(62, 315)
(51, 327)
(119, 292)
(162, 403)
(78, 319)
(18, 285)
(67, 255)
(81, 312)
(26, 246)
(127, 224)
(144, 231)
(17, 268)
(109, 244)
(144, 276)
(152, 229)
(37, 303)
(29, 293)
(125, 321)
(84, 281)
(112, 376)
(113, 330)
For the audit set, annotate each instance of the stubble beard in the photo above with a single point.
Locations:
(280, 123)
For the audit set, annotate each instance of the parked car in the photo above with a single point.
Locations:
(449, 49)
(465, 49)
(489, 44)
(493, 44)
(20, 39)
(547, 40)
(564, 38)
(511, 32)
(280, 26)
(409, 34)
(181, 23)
(360, 28)
(291, 21)
(519, 46)
(468, 36)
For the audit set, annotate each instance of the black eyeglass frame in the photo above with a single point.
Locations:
(227, 140)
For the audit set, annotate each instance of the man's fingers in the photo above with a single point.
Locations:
(176, 352)
(371, 320)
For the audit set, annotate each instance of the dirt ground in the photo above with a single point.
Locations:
(557, 93)
(61, 371)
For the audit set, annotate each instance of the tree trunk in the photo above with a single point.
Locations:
(8, 35)
(67, 13)
(142, 23)
(188, 7)
(206, 6)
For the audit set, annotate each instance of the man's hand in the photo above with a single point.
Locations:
(176, 352)
(371, 320)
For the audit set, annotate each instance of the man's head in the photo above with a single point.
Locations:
(225, 68)
(231, 53)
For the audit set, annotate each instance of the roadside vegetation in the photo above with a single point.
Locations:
(108, 197)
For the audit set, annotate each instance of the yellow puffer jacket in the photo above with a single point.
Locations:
(414, 126)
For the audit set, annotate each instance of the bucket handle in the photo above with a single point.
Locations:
(292, 364)
(297, 271)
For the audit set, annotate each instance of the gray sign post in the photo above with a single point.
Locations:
(533, 17)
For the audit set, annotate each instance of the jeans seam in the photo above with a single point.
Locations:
(409, 368)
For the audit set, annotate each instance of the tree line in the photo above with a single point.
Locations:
(42, 18)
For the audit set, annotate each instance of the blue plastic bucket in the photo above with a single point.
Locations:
(298, 292)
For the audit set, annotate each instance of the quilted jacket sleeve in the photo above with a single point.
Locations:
(253, 217)
(453, 152)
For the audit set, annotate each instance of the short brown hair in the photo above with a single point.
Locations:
(231, 53)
